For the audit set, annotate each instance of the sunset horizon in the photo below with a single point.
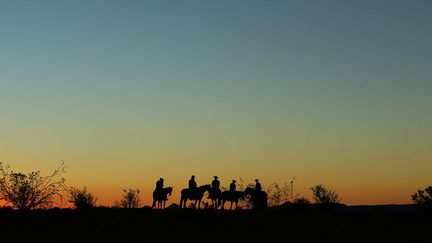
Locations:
(335, 93)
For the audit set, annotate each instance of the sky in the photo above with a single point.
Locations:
(330, 92)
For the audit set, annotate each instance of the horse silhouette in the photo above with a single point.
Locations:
(230, 196)
(195, 195)
(161, 196)
(215, 196)
(259, 199)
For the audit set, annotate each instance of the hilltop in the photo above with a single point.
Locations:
(385, 223)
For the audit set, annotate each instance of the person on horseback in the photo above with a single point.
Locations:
(233, 186)
(192, 183)
(215, 188)
(215, 183)
(257, 186)
(159, 186)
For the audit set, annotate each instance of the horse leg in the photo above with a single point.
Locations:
(231, 205)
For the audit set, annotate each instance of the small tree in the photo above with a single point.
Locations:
(423, 197)
(32, 190)
(81, 198)
(325, 196)
(275, 194)
(130, 199)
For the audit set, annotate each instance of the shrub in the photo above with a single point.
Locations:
(323, 195)
(301, 201)
(130, 199)
(81, 198)
(32, 190)
(275, 195)
(423, 197)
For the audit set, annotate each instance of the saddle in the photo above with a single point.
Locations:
(215, 192)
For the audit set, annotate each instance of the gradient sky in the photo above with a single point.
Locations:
(332, 92)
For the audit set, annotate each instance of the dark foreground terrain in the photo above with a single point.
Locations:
(346, 224)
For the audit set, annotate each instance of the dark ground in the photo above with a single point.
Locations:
(345, 224)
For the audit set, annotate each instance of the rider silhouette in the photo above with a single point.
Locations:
(192, 183)
(215, 188)
(159, 184)
(215, 183)
(159, 187)
(233, 185)
(257, 185)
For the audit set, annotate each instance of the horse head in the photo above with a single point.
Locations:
(248, 191)
(208, 187)
(170, 190)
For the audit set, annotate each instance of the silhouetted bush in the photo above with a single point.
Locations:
(30, 191)
(81, 198)
(323, 195)
(274, 195)
(278, 195)
(301, 201)
(423, 198)
(130, 199)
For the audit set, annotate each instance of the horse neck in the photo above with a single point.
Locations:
(248, 191)
(202, 188)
